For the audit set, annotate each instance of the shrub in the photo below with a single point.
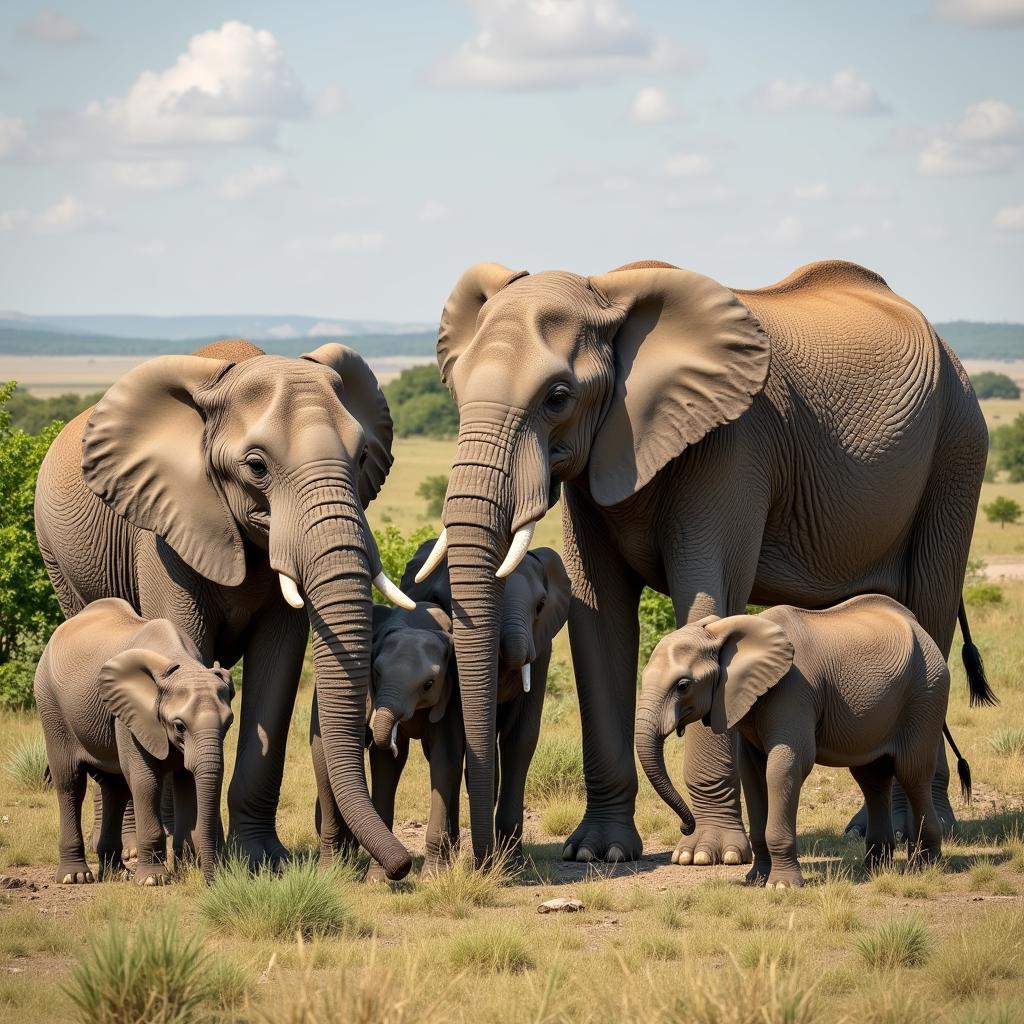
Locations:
(16, 681)
(994, 385)
(983, 595)
(556, 772)
(26, 767)
(33, 415)
(433, 490)
(1007, 442)
(657, 619)
(901, 942)
(396, 548)
(420, 403)
(494, 947)
(1002, 510)
(155, 976)
(1007, 742)
(302, 900)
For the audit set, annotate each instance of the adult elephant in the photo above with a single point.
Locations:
(215, 490)
(797, 444)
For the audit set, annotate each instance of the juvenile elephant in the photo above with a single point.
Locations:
(534, 607)
(800, 444)
(225, 491)
(860, 686)
(128, 701)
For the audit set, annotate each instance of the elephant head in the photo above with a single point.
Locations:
(177, 703)
(710, 671)
(601, 380)
(227, 458)
(413, 668)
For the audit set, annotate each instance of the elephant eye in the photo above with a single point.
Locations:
(558, 398)
(682, 685)
(540, 605)
(256, 466)
(428, 685)
(363, 456)
(179, 727)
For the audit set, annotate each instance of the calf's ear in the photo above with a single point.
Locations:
(129, 685)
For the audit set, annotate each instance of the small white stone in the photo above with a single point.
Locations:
(560, 905)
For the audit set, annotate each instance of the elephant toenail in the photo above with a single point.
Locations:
(685, 857)
(67, 880)
(616, 853)
(584, 854)
(702, 857)
(675, 856)
(732, 856)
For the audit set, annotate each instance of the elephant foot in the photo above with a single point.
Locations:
(944, 810)
(74, 872)
(758, 873)
(857, 826)
(261, 849)
(785, 878)
(713, 844)
(606, 838)
(129, 846)
(112, 868)
(152, 874)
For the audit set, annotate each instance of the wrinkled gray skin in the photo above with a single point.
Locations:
(859, 686)
(192, 484)
(798, 444)
(534, 607)
(128, 702)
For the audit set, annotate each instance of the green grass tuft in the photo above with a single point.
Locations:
(561, 817)
(967, 966)
(1007, 742)
(494, 947)
(26, 767)
(556, 771)
(900, 942)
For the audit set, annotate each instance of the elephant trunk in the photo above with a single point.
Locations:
(208, 771)
(335, 577)
(650, 748)
(384, 724)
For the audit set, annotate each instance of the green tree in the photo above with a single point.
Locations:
(994, 385)
(396, 548)
(432, 490)
(1007, 444)
(33, 414)
(421, 405)
(28, 607)
(1003, 510)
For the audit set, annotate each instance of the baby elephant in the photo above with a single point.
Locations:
(127, 701)
(860, 686)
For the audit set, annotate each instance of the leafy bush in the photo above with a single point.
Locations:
(396, 548)
(16, 679)
(1007, 445)
(421, 405)
(1003, 510)
(433, 490)
(981, 595)
(657, 619)
(994, 385)
(34, 415)
(26, 767)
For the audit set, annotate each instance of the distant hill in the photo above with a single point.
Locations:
(974, 339)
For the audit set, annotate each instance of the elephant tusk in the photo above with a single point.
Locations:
(290, 590)
(392, 592)
(526, 677)
(394, 740)
(517, 550)
(434, 558)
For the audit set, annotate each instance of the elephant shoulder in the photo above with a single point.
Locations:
(232, 350)
(821, 275)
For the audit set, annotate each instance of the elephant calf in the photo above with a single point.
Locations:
(127, 701)
(860, 686)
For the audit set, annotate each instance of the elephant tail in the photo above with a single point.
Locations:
(981, 692)
(963, 769)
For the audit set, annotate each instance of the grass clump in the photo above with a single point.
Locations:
(561, 817)
(979, 955)
(774, 948)
(1007, 742)
(26, 767)
(492, 948)
(596, 894)
(718, 898)
(835, 906)
(25, 932)
(303, 899)
(154, 976)
(556, 771)
(462, 888)
(901, 942)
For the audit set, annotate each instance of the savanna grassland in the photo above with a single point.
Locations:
(654, 943)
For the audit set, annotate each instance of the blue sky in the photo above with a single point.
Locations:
(351, 159)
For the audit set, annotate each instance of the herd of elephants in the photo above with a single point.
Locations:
(813, 446)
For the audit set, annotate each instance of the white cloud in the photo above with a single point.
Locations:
(988, 138)
(257, 179)
(1010, 219)
(844, 93)
(551, 44)
(325, 329)
(68, 215)
(145, 175)
(651, 106)
(283, 331)
(819, 192)
(787, 231)
(231, 87)
(432, 212)
(981, 13)
(331, 101)
(14, 144)
(11, 220)
(51, 28)
(687, 165)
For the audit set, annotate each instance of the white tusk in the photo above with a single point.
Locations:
(392, 593)
(434, 558)
(291, 591)
(526, 677)
(373, 715)
(517, 550)
(394, 740)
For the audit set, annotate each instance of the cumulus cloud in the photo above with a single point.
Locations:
(232, 86)
(254, 181)
(432, 212)
(14, 143)
(68, 215)
(552, 44)
(651, 106)
(819, 192)
(844, 93)
(987, 139)
(981, 13)
(1010, 219)
(687, 165)
(51, 28)
(145, 175)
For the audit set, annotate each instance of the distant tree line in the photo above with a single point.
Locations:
(421, 405)
(33, 414)
(994, 385)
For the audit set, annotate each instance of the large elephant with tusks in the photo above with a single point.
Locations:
(797, 444)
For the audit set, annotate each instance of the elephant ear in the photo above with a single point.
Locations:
(459, 318)
(689, 357)
(366, 402)
(129, 685)
(754, 654)
(143, 455)
(555, 612)
(436, 588)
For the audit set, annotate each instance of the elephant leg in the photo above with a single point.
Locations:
(875, 781)
(147, 788)
(69, 782)
(604, 634)
(273, 664)
(788, 765)
(517, 742)
(753, 769)
(184, 816)
(924, 838)
(336, 839)
(129, 846)
(385, 774)
(445, 748)
(109, 841)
